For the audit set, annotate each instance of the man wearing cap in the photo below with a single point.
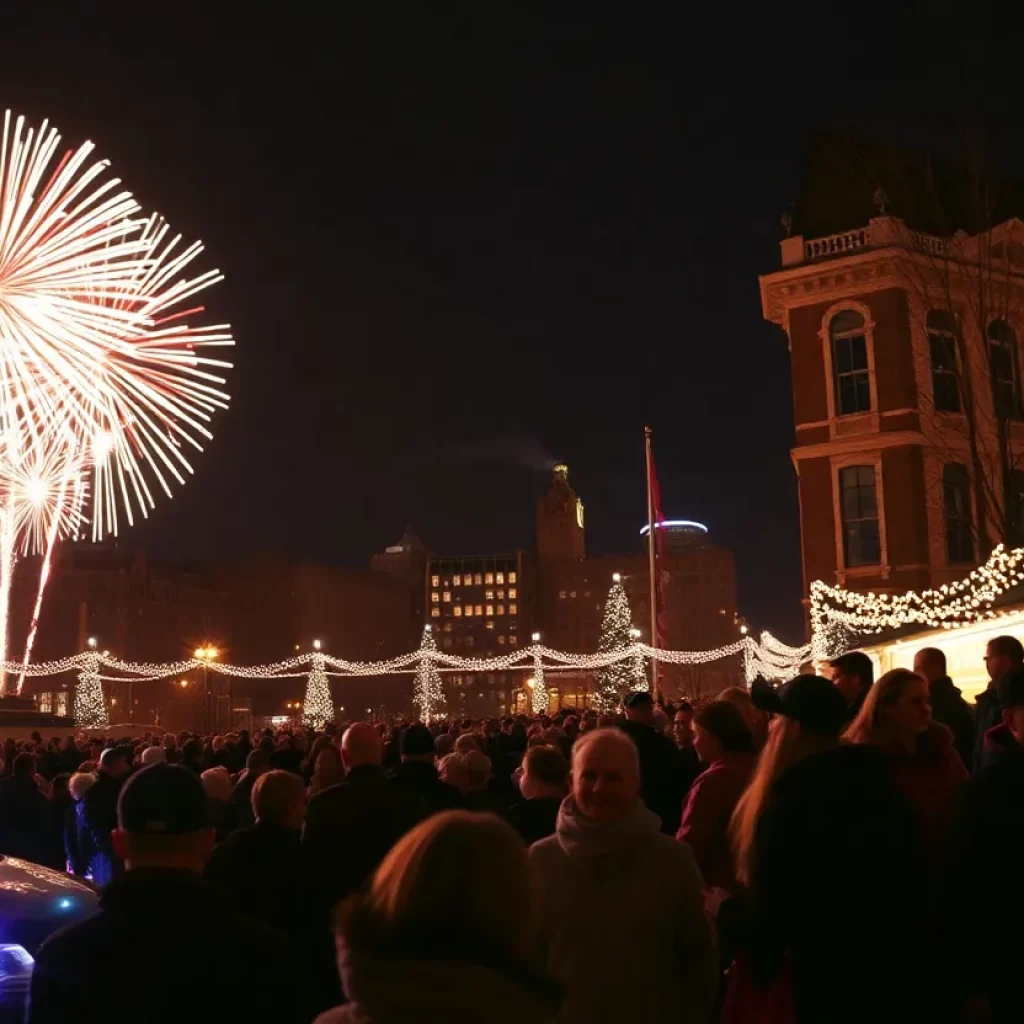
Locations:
(100, 813)
(662, 785)
(988, 849)
(160, 928)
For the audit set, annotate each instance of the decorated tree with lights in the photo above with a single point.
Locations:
(90, 707)
(429, 693)
(617, 679)
(318, 707)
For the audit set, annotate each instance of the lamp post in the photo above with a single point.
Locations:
(206, 654)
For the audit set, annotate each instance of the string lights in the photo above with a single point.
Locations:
(617, 678)
(318, 707)
(90, 707)
(428, 694)
(539, 694)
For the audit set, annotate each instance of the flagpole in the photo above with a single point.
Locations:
(650, 557)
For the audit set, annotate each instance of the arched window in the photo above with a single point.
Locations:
(956, 501)
(849, 363)
(942, 327)
(1004, 370)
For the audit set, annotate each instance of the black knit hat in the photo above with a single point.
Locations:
(163, 799)
(813, 702)
(416, 741)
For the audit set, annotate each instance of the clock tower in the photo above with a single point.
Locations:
(560, 521)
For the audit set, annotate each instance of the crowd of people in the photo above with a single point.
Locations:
(832, 850)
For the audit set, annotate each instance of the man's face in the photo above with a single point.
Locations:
(605, 781)
(848, 685)
(682, 728)
(115, 767)
(997, 665)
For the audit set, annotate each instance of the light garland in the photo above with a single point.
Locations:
(90, 707)
(616, 679)
(428, 694)
(953, 604)
(318, 706)
(539, 699)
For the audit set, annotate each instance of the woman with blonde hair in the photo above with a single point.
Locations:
(445, 932)
(830, 855)
(927, 770)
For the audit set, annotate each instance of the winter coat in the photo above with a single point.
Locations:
(534, 819)
(100, 813)
(951, 710)
(984, 891)
(241, 797)
(988, 713)
(623, 922)
(422, 779)
(931, 779)
(224, 816)
(163, 949)
(661, 782)
(384, 988)
(24, 819)
(839, 869)
(707, 813)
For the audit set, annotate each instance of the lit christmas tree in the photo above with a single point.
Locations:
(616, 680)
(429, 692)
(318, 707)
(90, 707)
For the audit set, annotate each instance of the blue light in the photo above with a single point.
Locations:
(675, 522)
(65, 904)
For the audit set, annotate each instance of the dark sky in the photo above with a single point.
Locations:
(462, 238)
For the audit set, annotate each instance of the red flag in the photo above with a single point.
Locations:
(659, 553)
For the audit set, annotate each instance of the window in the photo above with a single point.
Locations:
(478, 579)
(435, 613)
(1002, 361)
(490, 625)
(435, 581)
(956, 501)
(447, 627)
(859, 506)
(456, 581)
(62, 703)
(458, 611)
(561, 595)
(500, 610)
(849, 363)
(512, 594)
(501, 640)
(499, 577)
(469, 641)
(447, 642)
(446, 596)
(511, 577)
(512, 641)
(479, 609)
(942, 329)
(45, 702)
(489, 578)
(490, 609)
(512, 609)
(469, 610)
(488, 595)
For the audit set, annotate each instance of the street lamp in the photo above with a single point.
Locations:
(92, 643)
(206, 654)
(536, 638)
(531, 682)
(316, 645)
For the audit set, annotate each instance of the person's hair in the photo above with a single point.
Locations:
(452, 769)
(322, 774)
(257, 760)
(1009, 647)
(217, 783)
(886, 692)
(932, 656)
(79, 783)
(456, 887)
(468, 742)
(443, 745)
(274, 794)
(25, 764)
(192, 748)
(857, 663)
(478, 769)
(547, 765)
(615, 736)
(787, 744)
(723, 720)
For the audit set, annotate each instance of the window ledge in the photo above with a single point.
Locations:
(860, 572)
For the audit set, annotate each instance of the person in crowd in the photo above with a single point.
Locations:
(287, 755)
(687, 763)
(543, 785)
(682, 725)
(1003, 654)
(948, 706)
(51, 764)
(756, 719)
(351, 826)
(986, 903)
(468, 742)
(478, 794)
(71, 756)
(830, 854)
(153, 755)
(159, 913)
(610, 871)
(328, 769)
(443, 744)
(418, 773)
(446, 931)
(451, 770)
(100, 812)
(171, 748)
(192, 756)
(24, 813)
(60, 805)
(725, 745)
(896, 717)
(223, 814)
(852, 675)
(77, 842)
(256, 764)
(661, 787)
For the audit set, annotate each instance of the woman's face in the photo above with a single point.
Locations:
(706, 744)
(912, 713)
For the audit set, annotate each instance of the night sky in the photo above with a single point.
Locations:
(461, 245)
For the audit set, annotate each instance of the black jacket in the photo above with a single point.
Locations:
(241, 797)
(164, 949)
(100, 814)
(984, 887)
(988, 713)
(421, 778)
(24, 819)
(535, 819)
(949, 708)
(839, 869)
(351, 826)
(661, 783)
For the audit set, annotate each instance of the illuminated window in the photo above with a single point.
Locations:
(469, 641)
(62, 703)
(447, 641)
(456, 581)
(490, 625)
(469, 610)
(488, 595)
(499, 577)
(572, 593)
(561, 595)
(478, 579)
(447, 627)
(512, 609)
(501, 640)
(435, 613)
(500, 610)
(512, 594)
(446, 596)
(479, 609)
(511, 577)
(512, 641)
(489, 578)
(434, 597)
(45, 702)
(490, 609)
(458, 611)
(501, 595)
(435, 581)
